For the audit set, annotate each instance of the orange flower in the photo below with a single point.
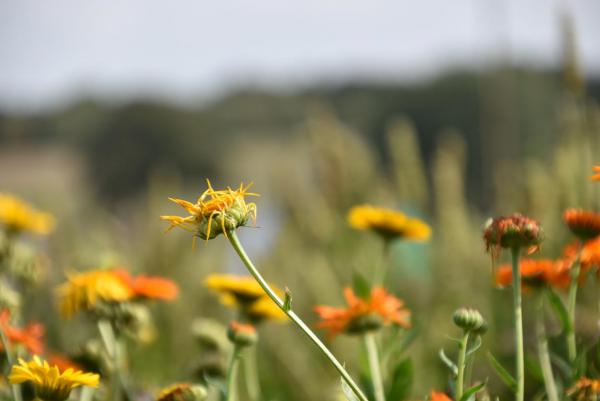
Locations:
(514, 231)
(585, 389)
(63, 362)
(536, 273)
(583, 223)
(362, 315)
(31, 336)
(439, 396)
(590, 253)
(149, 287)
(596, 176)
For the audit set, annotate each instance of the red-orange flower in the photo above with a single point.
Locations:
(590, 253)
(536, 273)
(585, 389)
(514, 231)
(362, 315)
(148, 286)
(439, 396)
(583, 223)
(31, 336)
(63, 362)
(596, 176)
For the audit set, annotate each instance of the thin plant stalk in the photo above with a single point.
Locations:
(518, 317)
(381, 269)
(571, 304)
(462, 356)
(87, 393)
(237, 246)
(16, 388)
(374, 366)
(250, 367)
(232, 373)
(543, 353)
(112, 347)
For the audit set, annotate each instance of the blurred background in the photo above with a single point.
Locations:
(451, 112)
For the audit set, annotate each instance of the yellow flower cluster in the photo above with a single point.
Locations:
(17, 215)
(388, 223)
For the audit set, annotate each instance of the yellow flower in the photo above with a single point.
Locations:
(246, 294)
(83, 291)
(16, 215)
(388, 223)
(215, 212)
(48, 381)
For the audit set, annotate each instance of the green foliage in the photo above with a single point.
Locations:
(401, 381)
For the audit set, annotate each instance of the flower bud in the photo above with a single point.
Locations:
(470, 319)
(242, 335)
(183, 392)
(515, 231)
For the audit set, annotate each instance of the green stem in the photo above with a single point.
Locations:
(382, 268)
(232, 373)
(571, 304)
(87, 394)
(374, 366)
(543, 353)
(109, 339)
(462, 354)
(250, 366)
(518, 317)
(233, 239)
(16, 388)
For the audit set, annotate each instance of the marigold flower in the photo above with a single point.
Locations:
(363, 315)
(439, 396)
(514, 231)
(49, 382)
(246, 294)
(17, 215)
(583, 223)
(149, 286)
(215, 212)
(590, 253)
(537, 273)
(31, 336)
(183, 392)
(596, 176)
(388, 223)
(585, 389)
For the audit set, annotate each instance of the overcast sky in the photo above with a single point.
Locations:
(53, 51)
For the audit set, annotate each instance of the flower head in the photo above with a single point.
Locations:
(514, 231)
(470, 319)
(590, 254)
(362, 315)
(596, 175)
(215, 212)
(585, 389)
(537, 273)
(583, 223)
(439, 396)
(149, 287)
(388, 223)
(17, 215)
(31, 336)
(49, 382)
(183, 392)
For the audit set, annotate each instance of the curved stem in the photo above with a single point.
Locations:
(571, 304)
(374, 366)
(462, 354)
(233, 239)
(232, 373)
(543, 353)
(518, 317)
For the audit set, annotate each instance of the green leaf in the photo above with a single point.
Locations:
(402, 379)
(350, 396)
(475, 346)
(360, 285)
(559, 309)
(449, 363)
(503, 373)
(563, 365)
(472, 391)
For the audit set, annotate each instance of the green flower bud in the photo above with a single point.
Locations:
(242, 335)
(470, 319)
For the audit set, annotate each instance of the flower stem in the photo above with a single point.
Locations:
(543, 353)
(374, 366)
(518, 317)
(251, 374)
(233, 239)
(16, 388)
(462, 355)
(571, 303)
(232, 373)
(381, 268)
(110, 344)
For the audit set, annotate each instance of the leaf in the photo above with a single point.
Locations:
(402, 379)
(449, 363)
(561, 364)
(474, 347)
(350, 396)
(471, 391)
(217, 383)
(503, 373)
(361, 285)
(559, 309)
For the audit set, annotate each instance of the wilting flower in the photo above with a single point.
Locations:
(585, 389)
(439, 396)
(183, 392)
(243, 335)
(17, 215)
(215, 212)
(388, 223)
(362, 315)
(245, 293)
(583, 223)
(31, 336)
(537, 273)
(596, 176)
(515, 231)
(49, 382)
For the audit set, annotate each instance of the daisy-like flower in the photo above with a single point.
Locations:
(439, 396)
(590, 254)
(583, 223)
(363, 315)
(215, 212)
(182, 392)
(596, 176)
(388, 223)
(585, 389)
(31, 336)
(537, 273)
(50, 384)
(245, 293)
(17, 215)
(515, 231)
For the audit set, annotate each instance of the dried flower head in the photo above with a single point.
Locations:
(183, 392)
(215, 212)
(17, 215)
(537, 273)
(388, 223)
(515, 231)
(583, 223)
(49, 382)
(585, 389)
(596, 175)
(30, 337)
(363, 315)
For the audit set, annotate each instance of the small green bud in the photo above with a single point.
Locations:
(470, 319)
(242, 335)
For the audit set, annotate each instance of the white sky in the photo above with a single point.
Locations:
(54, 50)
